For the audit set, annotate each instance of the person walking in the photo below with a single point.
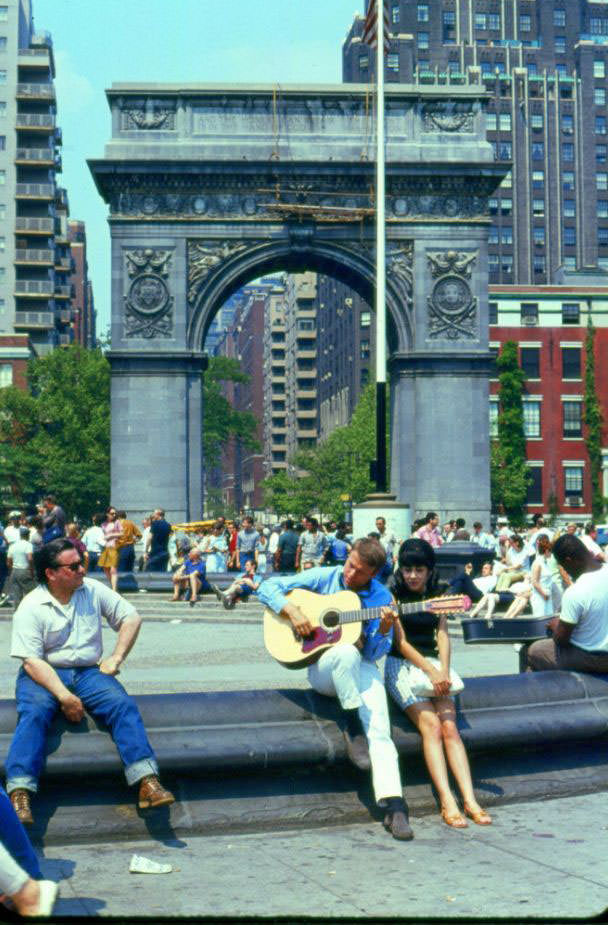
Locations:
(108, 560)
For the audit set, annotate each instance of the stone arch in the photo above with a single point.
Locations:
(218, 269)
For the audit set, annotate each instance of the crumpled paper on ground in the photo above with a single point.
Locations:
(142, 865)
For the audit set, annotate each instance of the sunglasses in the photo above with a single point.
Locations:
(73, 566)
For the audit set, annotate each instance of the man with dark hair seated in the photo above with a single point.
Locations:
(57, 635)
(580, 633)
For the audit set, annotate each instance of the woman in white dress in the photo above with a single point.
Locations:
(217, 550)
(541, 579)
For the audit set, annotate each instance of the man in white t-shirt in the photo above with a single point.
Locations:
(20, 563)
(580, 633)
(589, 538)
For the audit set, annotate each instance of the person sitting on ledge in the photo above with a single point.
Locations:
(241, 587)
(191, 574)
(57, 635)
(580, 633)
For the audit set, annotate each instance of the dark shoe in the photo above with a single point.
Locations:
(396, 820)
(20, 800)
(218, 593)
(191, 602)
(228, 601)
(153, 794)
(357, 750)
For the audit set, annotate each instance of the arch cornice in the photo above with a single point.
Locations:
(217, 268)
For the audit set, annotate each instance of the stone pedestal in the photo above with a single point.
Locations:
(397, 515)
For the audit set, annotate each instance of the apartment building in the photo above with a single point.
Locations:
(545, 68)
(274, 400)
(301, 361)
(81, 290)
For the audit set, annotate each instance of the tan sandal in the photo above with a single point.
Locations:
(456, 820)
(479, 816)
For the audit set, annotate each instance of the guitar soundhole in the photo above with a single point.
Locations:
(331, 619)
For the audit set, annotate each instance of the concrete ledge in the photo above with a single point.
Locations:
(131, 582)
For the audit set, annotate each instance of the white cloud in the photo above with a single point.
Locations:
(74, 91)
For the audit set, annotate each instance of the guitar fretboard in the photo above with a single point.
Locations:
(375, 613)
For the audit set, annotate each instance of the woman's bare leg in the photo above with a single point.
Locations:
(427, 722)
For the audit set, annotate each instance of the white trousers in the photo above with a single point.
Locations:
(341, 672)
(12, 876)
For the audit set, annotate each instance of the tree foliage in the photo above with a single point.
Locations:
(221, 421)
(337, 466)
(56, 438)
(510, 476)
(593, 420)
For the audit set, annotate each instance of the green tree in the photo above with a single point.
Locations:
(57, 438)
(221, 421)
(593, 420)
(509, 473)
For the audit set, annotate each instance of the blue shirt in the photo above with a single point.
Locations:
(190, 567)
(273, 592)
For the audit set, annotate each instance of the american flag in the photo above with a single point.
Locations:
(370, 29)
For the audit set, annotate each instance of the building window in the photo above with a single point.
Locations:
(486, 68)
(602, 208)
(559, 18)
(395, 14)
(493, 205)
(365, 319)
(2, 211)
(601, 180)
(491, 122)
(567, 151)
(538, 151)
(2, 43)
(560, 44)
(538, 179)
(6, 375)
(423, 12)
(538, 207)
(529, 360)
(598, 26)
(3, 13)
(364, 62)
(481, 22)
(569, 236)
(569, 208)
(539, 264)
(506, 206)
(507, 181)
(600, 125)
(392, 62)
(599, 96)
(529, 312)
(573, 483)
(568, 180)
(571, 362)
(2, 76)
(599, 69)
(525, 22)
(364, 350)
(534, 491)
(493, 263)
(538, 233)
(423, 40)
(2, 109)
(494, 22)
(504, 150)
(572, 417)
(571, 313)
(601, 154)
(364, 377)
(493, 417)
(449, 27)
(570, 262)
(531, 409)
(567, 124)
(533, 70)
(536, 121)
(602, 236)
(506, 264)
(2, 177)
(2, 142)
(492, 312)
(493, 234)
(504, 122)
(506, 234)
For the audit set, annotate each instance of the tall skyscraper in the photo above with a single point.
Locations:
(545, 68)
(35, 258)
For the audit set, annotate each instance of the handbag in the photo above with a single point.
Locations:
(420, 684)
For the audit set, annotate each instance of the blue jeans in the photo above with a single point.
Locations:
(14, 838)
(103, 697)
(157, 562)
(126, 559)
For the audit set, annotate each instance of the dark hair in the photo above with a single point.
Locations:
(543, 543)
(478, 524)
(371, 551)
(516, 538)
(289, 524)
(98, 518)
(589, 528)
(460, 523)
(568, 546)
(50, 498)
(47, 556)
(314, 523)
(121, 514)
(430, 515)
(413, 552)
(374, 535)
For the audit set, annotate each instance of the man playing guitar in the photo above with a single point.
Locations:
(349, 672)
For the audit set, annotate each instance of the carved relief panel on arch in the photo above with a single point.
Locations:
(452, 307)
(148, 302)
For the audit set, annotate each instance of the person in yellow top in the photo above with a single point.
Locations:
(126, 543)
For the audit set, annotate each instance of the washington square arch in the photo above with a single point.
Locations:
(212, 186)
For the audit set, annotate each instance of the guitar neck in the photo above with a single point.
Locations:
(375, 613)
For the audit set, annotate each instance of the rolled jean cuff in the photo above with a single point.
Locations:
(139, 769)
(22, 783)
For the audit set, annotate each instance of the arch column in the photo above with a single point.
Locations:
(157, 456)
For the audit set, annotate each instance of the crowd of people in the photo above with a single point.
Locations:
(58, 641)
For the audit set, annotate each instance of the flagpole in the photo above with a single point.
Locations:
(380, 261)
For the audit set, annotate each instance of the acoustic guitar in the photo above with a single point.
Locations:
(336, 618)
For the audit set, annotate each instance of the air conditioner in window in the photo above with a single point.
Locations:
(575, 500)
(529, 321)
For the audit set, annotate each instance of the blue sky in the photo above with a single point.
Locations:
(98, 42)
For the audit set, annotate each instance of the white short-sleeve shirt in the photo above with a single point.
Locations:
(66, 635)
(585, 606)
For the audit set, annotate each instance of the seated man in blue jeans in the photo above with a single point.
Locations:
(57, 635)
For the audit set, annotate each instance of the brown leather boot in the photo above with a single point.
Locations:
(20, 800)
(153, 794)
